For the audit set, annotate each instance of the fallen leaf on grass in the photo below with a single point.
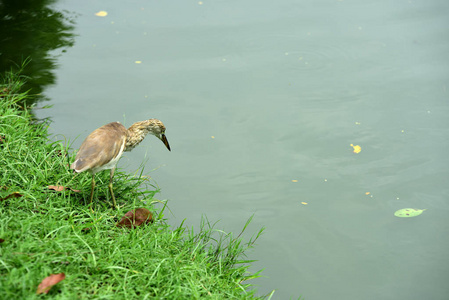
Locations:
(49, 282)
(13, 195)
(1, 241)
(408, 212)
(135, 218)
(57, 188)
(60, 188)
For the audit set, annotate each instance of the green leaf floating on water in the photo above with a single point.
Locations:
(408, 212)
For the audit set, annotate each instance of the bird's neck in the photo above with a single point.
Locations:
(136, 134)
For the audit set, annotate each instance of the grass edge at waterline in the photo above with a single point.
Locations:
(46, 232)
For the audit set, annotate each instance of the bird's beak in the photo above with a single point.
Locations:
(165, 141)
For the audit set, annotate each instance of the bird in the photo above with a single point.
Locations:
(102, 149)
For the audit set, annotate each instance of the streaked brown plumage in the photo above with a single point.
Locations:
(102, 149)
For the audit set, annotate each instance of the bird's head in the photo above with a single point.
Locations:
(157, 128)
(138, 131)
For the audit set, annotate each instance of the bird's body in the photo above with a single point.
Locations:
(102, 149)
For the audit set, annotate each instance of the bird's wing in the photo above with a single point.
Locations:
(100, 147)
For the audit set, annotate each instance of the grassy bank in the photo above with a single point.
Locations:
(43, 231)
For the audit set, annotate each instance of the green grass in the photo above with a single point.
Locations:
(45, 232)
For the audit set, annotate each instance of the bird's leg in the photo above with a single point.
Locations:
(92, 192)
(110, 188)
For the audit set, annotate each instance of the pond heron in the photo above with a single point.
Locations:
(102, 149)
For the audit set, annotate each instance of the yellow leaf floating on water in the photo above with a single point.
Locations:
(101, 13)
(367, 193)
(294, 180)
(357, 148)
(138, 61)
(304, 203)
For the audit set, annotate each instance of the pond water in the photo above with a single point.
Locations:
(262, 100)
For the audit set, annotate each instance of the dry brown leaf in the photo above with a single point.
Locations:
(48, 282)
(135, 218)
(60, 188)
(13, 195)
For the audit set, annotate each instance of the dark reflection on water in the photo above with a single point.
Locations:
(29, 31)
